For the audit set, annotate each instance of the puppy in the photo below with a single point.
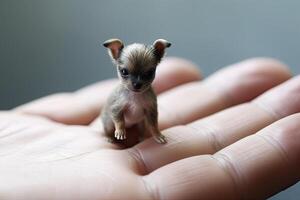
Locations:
(133, 101)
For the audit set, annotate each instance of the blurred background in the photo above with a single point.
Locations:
(54, 46)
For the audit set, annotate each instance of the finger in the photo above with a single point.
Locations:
(12, 120)
(209, 135)
(255, 167)
(83, 106)
(172, 72)
(233, 85)
(79, 107)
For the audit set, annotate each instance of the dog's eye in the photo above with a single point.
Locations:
(124, 72)
(150, 73)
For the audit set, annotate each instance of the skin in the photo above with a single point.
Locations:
(231, 143)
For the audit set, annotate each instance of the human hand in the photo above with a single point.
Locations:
(245, 146)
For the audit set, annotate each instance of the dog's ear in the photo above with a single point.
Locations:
(115, 47)
(159, 48)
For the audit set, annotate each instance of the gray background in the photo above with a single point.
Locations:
(55, 45)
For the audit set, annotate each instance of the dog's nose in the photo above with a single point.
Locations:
(137, 85)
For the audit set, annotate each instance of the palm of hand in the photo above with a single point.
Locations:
(48, 159)
(68, 157)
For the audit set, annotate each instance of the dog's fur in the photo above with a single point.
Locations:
(133, 102)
